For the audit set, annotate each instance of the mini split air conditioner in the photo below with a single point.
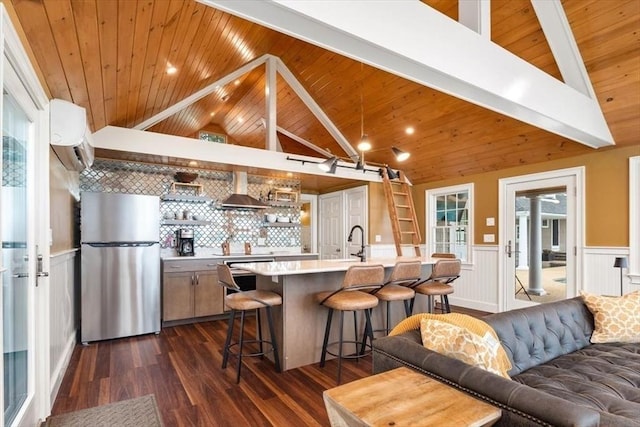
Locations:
(70, 135)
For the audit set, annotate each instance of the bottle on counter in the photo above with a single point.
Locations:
(247, 248)
(225, 249)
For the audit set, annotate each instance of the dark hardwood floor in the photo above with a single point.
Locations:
(182, 367)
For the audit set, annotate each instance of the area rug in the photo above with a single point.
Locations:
(139, 412)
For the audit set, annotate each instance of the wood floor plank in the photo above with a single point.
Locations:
(181, 366)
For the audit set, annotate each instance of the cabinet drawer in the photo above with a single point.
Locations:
(189, 265)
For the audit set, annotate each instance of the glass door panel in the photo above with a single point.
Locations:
(16, 143)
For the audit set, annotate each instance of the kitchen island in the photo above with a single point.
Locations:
(300, 321)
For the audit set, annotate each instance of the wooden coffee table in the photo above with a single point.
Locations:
(403, 397)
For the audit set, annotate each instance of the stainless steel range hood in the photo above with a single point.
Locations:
(240, 199)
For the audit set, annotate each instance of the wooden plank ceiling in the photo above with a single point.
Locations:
(111, 58)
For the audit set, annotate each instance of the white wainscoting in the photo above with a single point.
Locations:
(477, 287)
(62, 321)
(600, 276)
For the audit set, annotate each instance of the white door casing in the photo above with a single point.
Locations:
(573, 180)
(20, 80)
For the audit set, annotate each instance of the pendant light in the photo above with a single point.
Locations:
(364, 144)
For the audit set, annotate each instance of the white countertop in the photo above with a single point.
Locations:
(284, 268)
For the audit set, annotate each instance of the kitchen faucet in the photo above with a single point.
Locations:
(362, 255)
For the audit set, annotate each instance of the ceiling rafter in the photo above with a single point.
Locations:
(462, 64)
(273, 65)
(563, 45)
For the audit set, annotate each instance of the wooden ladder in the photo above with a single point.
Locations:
(404, 222)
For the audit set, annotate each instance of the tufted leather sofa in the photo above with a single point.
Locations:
(558, 376)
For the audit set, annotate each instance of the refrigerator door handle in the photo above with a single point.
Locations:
(120, 244)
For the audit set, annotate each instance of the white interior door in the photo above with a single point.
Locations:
(331, 226)
(541, 215)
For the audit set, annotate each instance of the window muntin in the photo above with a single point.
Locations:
(449, 220)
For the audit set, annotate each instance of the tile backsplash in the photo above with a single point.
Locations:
(215, 225)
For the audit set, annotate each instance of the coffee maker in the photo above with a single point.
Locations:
(185, 242)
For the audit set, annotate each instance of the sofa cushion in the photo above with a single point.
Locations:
(605, 377)
(616, 319)
(462, 344)
(535, 335)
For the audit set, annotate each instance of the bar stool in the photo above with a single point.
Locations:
(243, 301)
(351, 297)
(444, 272)
(398, 288)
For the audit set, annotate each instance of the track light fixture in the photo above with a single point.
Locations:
(391, 173)
(329, 165)
(400, 155)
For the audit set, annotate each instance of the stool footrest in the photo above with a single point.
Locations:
(253, 354)
(359, 350)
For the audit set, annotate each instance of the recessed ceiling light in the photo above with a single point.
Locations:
(171, 69)
(213, 113)
(240, 119)
(193, 163)
(237, 82)
(409, 130)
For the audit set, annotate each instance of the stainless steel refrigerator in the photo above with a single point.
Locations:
(120, 287)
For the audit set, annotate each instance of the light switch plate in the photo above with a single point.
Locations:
(491, 222)
(489, 238)
(262, 241)
(378, 238)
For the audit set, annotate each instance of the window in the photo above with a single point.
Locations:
(212, 137)
(449, 220)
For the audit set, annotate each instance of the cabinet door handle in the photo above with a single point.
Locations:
(212, 265)
(197, 279)
(175, 266)
(193, 278)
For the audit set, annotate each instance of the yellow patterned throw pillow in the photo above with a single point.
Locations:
(616, 319)
(462, 344)
(464, 321)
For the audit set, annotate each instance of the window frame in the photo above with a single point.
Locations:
(431, 196)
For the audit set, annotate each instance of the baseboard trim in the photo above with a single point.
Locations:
(61, 368)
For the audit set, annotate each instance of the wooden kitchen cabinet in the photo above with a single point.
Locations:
(190, 290)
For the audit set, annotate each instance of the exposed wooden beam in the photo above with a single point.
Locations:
(271, 94)
(304, 142)
(563, 45)
(476, 15)
(158, 144)
(420, 44)
(181, 105)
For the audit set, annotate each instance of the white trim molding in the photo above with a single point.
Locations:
(634, 220)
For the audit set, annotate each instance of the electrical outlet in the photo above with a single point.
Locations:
(378, 238)
(293, 241)
(491, 222)
(489, 238)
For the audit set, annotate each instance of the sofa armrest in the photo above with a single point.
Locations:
(522, 402)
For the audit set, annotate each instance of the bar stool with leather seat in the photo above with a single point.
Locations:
(243, 301)
(352, 296)
(398, 288)
(444, 272)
